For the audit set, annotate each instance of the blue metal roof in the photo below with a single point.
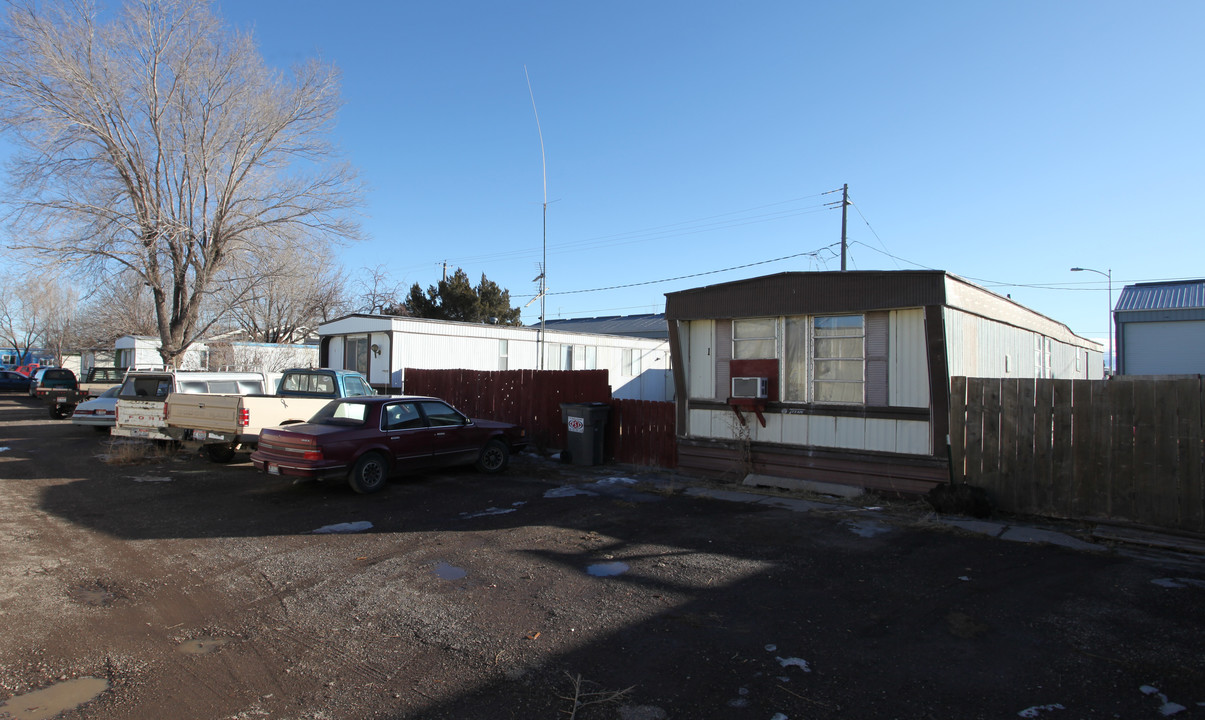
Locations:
(1178, 295)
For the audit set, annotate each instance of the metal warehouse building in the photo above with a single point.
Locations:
(1161, 328)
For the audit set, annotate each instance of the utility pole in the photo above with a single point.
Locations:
(446, 270)
(844, 214)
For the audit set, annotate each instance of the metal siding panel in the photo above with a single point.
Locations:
(771, 433)
(851, 433)
(795, 429)
(1165, 348)
(822, 431)
(908, 372)
(912, 437)
(701, 363)
(881, 434)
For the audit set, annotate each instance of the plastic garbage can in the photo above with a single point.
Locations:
(586, 424)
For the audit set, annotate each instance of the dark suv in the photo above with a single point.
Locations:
(58, 385)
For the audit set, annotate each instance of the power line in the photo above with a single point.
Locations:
(813, 253)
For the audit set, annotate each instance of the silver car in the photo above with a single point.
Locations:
(100, 412)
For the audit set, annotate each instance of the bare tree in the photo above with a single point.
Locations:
(119, 305)
(296, 292)
(380, 293)
(58, 306)
(160, 142)
(21, 316)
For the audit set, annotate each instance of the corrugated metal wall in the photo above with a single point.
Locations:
(908, 379)
(979, 347)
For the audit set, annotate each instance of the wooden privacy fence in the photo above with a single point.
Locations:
(642, 432)
(638, 431)
(1127, 448)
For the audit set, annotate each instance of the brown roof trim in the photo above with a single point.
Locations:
(800, 293)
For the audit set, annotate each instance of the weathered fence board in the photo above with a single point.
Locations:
(1127, 449)
(639, 432)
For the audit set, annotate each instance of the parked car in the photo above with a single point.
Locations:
(13, 381)
(59, 388)
(100, 412)
(28, 370)
(367, 439)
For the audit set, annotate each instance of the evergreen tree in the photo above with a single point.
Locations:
(455, 298)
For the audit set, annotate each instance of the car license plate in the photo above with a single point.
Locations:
(60, 400)
(273, 469)
(199, 435)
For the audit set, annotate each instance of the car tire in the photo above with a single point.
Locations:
(494, 458)
(219, 453)
(369, 473)
(60, 412)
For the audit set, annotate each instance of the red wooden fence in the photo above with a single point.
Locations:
(638, 431)
(641, 432)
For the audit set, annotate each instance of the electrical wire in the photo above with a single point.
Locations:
(813, 253)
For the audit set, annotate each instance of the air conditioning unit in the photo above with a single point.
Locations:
(750, 387)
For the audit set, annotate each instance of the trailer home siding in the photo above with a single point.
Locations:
(857, 367)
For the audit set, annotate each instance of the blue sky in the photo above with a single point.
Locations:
(1003, 142)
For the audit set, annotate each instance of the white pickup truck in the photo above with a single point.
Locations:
(222, 424)
(142, 400)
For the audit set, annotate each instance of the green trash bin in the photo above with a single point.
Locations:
(586, 426)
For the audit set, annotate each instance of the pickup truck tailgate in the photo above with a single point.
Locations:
(212, 413)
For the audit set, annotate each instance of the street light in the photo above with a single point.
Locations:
(1108, 274)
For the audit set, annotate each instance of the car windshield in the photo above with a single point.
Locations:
(339, 412)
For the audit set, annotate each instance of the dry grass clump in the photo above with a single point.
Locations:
(126, 451)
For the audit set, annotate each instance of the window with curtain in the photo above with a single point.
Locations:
(838, 359)
(754, 338)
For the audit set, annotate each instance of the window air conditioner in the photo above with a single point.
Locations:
(750, 387)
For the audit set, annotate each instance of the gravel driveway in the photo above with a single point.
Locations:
(169, 587)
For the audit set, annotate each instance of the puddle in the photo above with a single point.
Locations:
(607, 569)
(202, 645)
(867, 528)
(95, 595)
(54, 700)
(351, 527)
(444, 571)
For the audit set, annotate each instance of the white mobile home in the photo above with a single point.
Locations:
(383, 346)
(844, 377)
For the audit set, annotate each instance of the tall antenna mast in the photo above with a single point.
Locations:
(543, 265)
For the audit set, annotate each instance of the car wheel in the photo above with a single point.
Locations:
(369, 474)
(58, 412)
(494, 457)
(219, 453)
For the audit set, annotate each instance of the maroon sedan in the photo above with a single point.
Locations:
(366, 439)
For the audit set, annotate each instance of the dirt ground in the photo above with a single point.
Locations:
(171, 587)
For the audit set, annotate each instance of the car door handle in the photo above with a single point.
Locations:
(440, 434)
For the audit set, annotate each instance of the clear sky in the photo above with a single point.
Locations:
(1004, 142)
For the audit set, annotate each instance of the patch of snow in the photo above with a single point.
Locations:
(779, 716)
(1036, 710)
(1167, 583)
(1171, 708)
(568, 491)
(794, 662)
(150, 478)
(487, 512)
(738, 703)
(5, 449)
(964, 578)
(771, 648)
(340, 528)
